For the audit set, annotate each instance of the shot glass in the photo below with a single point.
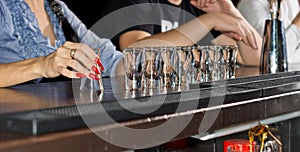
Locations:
(91, 85)
(185, 63)
(169, 76)
(153, 67)
(213, 63)
(134, 62)
(219, 64)
(196, 73)
(230, 54)
(207, 63)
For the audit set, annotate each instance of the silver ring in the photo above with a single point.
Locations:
(72, 53)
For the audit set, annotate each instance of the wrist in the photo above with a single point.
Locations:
(38, 67)
(209, 19)
(213, 20)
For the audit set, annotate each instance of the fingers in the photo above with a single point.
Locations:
(84, 49)
(236, 28)
(249, 37)
(202, 3)
(79, 71)
(84, 61)
(242, 31)
(252, 40)
(85, 54)
(234, 36)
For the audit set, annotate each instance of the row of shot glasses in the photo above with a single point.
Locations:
(168, 66)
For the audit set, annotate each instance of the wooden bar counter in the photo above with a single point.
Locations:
(44, 117)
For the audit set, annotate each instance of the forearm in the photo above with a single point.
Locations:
(247, 55)
(19, 72)
(187, 34)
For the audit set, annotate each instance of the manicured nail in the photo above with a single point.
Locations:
(80, 75)
(97, 60)
(93, 76)
(95, 69)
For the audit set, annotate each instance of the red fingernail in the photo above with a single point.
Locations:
(80, 75)
(97, 60)
(93, 76)
(95, 69)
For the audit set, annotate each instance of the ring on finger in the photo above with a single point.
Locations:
(72, 53)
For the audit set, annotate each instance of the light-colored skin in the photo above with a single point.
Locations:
(246, 54)
(296, 21)
(221, 15)
(54, 64)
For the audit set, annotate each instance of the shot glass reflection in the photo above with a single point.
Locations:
(90, 90)
(87, 84)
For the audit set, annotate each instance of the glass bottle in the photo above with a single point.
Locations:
(274, 54)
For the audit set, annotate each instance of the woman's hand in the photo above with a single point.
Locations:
(81, 58)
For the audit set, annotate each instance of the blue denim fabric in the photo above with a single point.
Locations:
(20, 37)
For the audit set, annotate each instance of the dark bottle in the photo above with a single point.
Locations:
(274, 54)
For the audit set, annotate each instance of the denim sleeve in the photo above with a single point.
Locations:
(8, 44)
(2, 16)
(109, 55)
